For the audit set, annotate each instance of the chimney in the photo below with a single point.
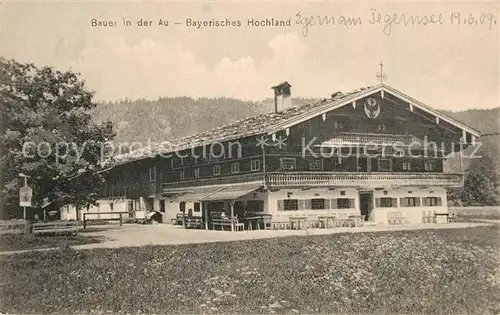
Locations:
(282, 96)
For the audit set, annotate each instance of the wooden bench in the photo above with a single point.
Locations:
(56, 227)
(86, 214)
(342, 220)
(179, 218)
(222, 222)
(14, 227)
(193, 222)
(323, 221)
(280, 224)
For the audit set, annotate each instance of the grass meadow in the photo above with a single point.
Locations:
(429, 271)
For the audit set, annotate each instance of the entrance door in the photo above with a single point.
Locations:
(366, 204)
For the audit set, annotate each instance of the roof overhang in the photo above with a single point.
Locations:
(367, 92)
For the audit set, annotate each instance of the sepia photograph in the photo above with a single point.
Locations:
(279, 157)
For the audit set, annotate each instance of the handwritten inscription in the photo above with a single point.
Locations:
(306, 22)
(389, 20)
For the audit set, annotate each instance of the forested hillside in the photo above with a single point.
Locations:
(169, 118)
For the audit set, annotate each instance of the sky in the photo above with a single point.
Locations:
(445, 65)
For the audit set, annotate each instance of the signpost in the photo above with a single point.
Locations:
(25, 194)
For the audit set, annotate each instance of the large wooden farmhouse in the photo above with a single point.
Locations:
(374, 152)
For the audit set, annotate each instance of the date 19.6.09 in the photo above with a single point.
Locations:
(486, 19)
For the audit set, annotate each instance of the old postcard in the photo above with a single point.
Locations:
(249, 157)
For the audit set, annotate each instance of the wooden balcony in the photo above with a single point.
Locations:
(323, 179)
(257, 178)
(363, 180)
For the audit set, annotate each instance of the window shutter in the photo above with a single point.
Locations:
(402, 202)
(417, 202)
(425, 202)
(327, 203)
(281, 205)
(351, 203)
(333, 203)
(394, 202)
(378, 202)
(307, 204)
(300, 204)
(439, 202)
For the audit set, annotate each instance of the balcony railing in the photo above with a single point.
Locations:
(313, 179)
(257, 178)
(325, 179)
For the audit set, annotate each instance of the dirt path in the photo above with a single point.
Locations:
(166, 234)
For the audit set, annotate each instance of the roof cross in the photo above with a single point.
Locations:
(381, 76)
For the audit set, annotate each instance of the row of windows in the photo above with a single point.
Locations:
(196, 207)
(387, 202)
(383, 164)
(235, 169)
(290, 164)
(343, 125)
(347, 203)
(315, 204)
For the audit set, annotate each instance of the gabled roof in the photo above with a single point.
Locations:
(272, 122)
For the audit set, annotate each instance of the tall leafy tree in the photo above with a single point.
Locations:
(47, 133)
(481, 183)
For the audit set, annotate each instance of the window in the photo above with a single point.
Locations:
(345, 203)
(287, 163)
(182, 206)
(255, 165)
(410, 202)
(197, 172)
(111, 206)
(387, 202)
(432, 201)
(152, 174)
(315, 164)
(181, 174)
(429, 166)
(162, 205)
(255, 205)
(290, 204)
(217, 170)
(317, 204)
(406, 166)
(384, 165)
(197, 207)
(216, 152)
(342, 192)
(381, 127)
(235, 168)
(338, 125)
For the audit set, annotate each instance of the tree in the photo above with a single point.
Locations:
(47, 133)
(481, 184)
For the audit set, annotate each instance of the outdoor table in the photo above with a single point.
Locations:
(325, 219)
(258, 219)
(298, 220)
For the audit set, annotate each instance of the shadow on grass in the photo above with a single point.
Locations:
(14, 242)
